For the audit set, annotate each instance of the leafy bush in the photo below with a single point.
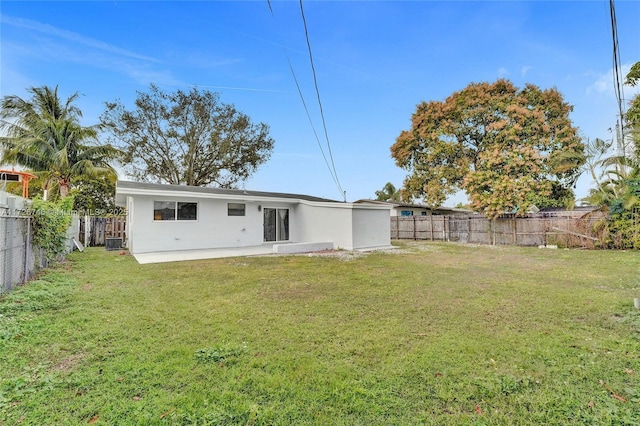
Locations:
(49, 224)
(624, 227)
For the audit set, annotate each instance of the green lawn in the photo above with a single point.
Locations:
(434, 334)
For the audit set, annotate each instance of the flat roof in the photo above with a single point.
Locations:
(126, 187)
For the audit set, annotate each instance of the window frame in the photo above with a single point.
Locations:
(238, 212)
(279, 223)
(178, 219)
(176, 211)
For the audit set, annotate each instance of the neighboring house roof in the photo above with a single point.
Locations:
(576, 209)
(141, 188)
(417, 206)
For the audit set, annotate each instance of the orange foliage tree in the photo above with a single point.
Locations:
(505, 147)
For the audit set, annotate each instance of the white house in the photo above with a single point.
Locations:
(176, 218)
(408, 209)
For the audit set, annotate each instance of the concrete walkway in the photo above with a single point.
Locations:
(177, 256)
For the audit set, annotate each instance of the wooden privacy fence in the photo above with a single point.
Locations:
(521, 231)
(95, 230)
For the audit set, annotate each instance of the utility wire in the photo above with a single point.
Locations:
(306, 109)
(617, 77)
(304, 104)
(324, 123)
(331, 167)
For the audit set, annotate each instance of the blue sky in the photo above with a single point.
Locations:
(374, 60)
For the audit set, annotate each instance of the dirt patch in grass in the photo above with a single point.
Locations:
(70, 362)
(343, 255)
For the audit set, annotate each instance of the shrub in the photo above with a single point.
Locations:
(49, 224)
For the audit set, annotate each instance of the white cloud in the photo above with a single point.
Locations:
(524, 70)
(201, 60)
(71, 36)
(604, 84)
(601, 85)
(62, 46)
(503, 72)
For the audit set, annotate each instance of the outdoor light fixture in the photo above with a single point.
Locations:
(259, 207)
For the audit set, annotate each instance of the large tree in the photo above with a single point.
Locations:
(44, 135)
(188, 138)
(504, 146)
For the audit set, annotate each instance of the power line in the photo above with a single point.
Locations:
(617, 74)
(315, 82)
(331, 167)
(304, 104)
(306, 109)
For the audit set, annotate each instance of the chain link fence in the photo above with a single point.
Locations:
(19, 259)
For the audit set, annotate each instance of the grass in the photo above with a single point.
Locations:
(435, 334)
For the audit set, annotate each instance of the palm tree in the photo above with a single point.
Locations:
(388, 193)
(617, 188)
(619, 171)
(45, 135)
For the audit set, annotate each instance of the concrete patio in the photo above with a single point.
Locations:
(180, 255)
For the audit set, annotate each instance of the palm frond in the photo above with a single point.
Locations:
(44, 134)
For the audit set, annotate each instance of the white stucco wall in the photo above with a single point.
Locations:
(130, 224)
(325, 223)
(348, 226)
(371, 228)
(8, 200)
(214, 228)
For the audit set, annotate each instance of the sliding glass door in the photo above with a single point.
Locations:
(276, 224)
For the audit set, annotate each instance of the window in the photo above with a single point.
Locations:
(187, 211)
(235, 209)
(276, 224)
(164, 210)
(406, 213)
(172, 210)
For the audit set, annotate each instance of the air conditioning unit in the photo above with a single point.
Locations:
(113, 243)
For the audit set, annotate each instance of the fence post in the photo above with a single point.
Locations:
(414, 228)
(493, 225)
(27, 243)
(447, 227)
(5, 280)
(515, 232)
(87, 230)
(431, 226)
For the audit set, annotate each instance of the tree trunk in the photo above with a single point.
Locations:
(64, 189)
